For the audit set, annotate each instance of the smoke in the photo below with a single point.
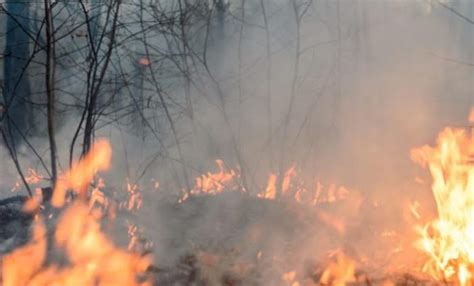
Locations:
(374, 80)
(366, 82)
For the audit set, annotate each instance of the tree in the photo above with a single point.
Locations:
(16, 83)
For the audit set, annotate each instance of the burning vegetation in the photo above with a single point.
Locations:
(68, 245)
(70, 242)
(448, 240)
(309, 109)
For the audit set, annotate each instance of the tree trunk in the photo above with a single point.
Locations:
(17, 90)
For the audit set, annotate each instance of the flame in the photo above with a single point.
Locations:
(144, 61)
(22, 263)
(227, 179)
(290, 278)
(213, 183)
(414, 209)
(135, 198)
(289, 174)
(448, 240)
(82, 172)
(91, 258)
(31, 178)
(340, 271)
(270, 190)
(332, 194)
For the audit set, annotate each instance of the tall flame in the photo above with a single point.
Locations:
(270, 190)
(340, 271)
(90, 257)
(82, 172)
(449, 239)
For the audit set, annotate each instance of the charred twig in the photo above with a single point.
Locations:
(17, 163)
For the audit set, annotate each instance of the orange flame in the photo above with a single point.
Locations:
(32, 178)
(340, 271)
(92, 258)
(289, 174)
(270, 190)
(290, 278)
(213, 183)
(82, 172)
(135, 198)
(22, 263)
(449, 239)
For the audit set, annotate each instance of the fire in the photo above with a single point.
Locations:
(291, 188)
(270, 190)
(79, 252)
(31, 178)
(135, 198)
(211, 183)
(82, 172)
(289, 174)
(290, 278)
(21, 264)
(226, 179)
(449, 239)
(340, 271)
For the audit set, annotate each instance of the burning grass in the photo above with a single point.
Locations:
(258, 239)
(67, 244)
(449, 239)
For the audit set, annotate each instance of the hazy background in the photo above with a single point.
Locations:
(346, 90)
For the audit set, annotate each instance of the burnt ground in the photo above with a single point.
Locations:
(240, 239)
(14, 230)
(236, 239)
(229, 239)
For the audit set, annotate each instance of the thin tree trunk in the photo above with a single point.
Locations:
(97, 79)
(49, 80)
(283, 163)
(268, 80)
(17, 88)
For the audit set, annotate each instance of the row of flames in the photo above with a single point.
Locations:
(78, 251)
(225, 179)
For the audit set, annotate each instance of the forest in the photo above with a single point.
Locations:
(237, 142)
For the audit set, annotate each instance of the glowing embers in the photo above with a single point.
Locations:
(77, 252)
(448, 240)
